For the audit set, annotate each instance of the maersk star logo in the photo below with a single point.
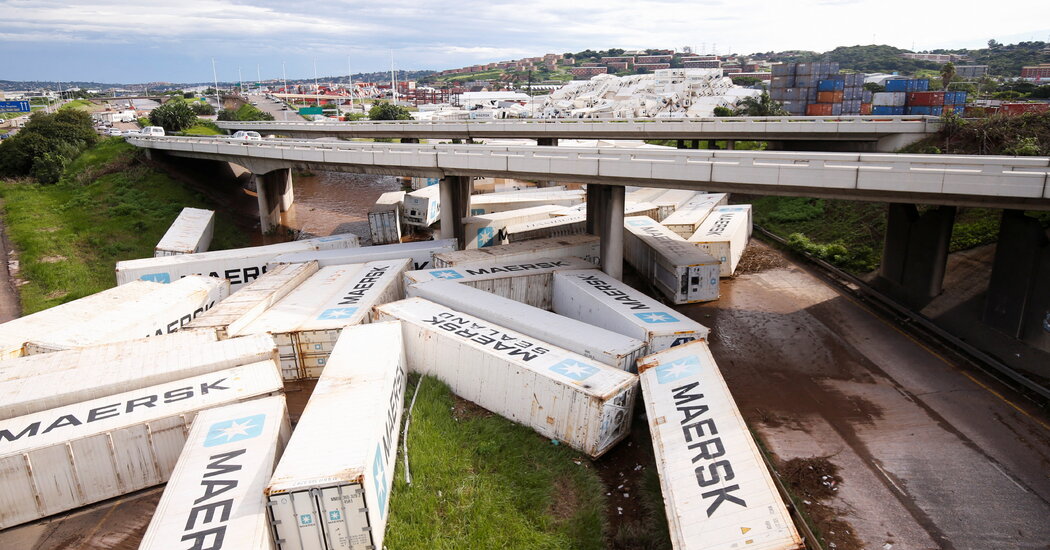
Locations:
(485, 237)
(446, 274)
(574, 369)
(637, 222)
(229, 431)
(656, 317)
(676, 370)
(157, 277)
(337, 313)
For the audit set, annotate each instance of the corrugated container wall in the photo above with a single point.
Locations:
(384, 218)
(190, 233)
(688, 217)
(502, 202)
(421, 253)
(724, 235)
(580, 246)
(678, 269)
(559, 226)
(486, 230)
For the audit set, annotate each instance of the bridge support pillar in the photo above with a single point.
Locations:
(455, 204)
(915, 253)
(1018, 299)
(605, 219)
(275, 195)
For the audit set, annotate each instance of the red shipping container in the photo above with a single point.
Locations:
(818, 109)
(1021, 108)
(829, 97)
(865, 108)
(926, 99)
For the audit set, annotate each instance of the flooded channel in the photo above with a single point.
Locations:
(327, 203)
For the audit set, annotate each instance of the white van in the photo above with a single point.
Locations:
(153, 131)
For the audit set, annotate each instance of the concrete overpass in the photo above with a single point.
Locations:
(874, 133)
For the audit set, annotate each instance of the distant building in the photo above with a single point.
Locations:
(1037, 72)
(652, 66)
(935, 57)
(618, 65)
(587, 72)
(763, 76)
(651, 59)
(699, 63)
(971, 71)
(622, 59)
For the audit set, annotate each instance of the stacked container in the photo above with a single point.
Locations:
(795, 85)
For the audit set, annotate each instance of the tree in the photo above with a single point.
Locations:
(947, 74)
(387, 111)
(723, 111)
(202, 108)
(874, 87)
(173, 116)
(993, 44)
(762, 105)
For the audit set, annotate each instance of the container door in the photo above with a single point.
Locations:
(294, 521)
(345, 517)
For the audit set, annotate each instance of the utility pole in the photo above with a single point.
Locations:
(350, 82)
(393, 79)
(215, 75)
(240, 82)
(317, 89)
(258, 75)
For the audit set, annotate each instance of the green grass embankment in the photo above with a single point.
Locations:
(107, 207)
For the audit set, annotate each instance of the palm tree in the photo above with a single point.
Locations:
(947, 74)
(762, 105)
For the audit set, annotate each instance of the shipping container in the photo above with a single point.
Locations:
(61, 459)
(190, 233)
(924, 110)
(806, 81)
(558, 226)
(165, 310)
(829, 97)
(240, 265)
(420, 252)
(593, 297)
(331, 488)
(717, 491)
(215, 498)
(690, 215)
(852, 93)
(237, 311)
(579, 246)
(423, 206)
(818, 109)
(926, 99)
(420, 183)
(682, 272)
(781, 82)
(560, 394)
(502, 202)
(831, 84)
(39, 382)
(783, 69)
(642, 194)
(527, 282)
(1022, 108)
(308, 321)
(671, 200)
(724, 235)
(907, 85)
(384, 218)
(888, 110)
(891, 99)
(607, 347)
(486, 230)
(865, 108)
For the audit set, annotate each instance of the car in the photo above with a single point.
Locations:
(246, 135)
(115, 132)
(132, 132)
(152, 131)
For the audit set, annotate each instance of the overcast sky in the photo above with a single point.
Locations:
(146, 40)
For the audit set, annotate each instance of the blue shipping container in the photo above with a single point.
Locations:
(925, 110)
(831, 85)
(886, 110)
(919, 85)
(960, 109)
(899, 85)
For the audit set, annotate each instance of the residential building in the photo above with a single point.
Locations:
(1037, 72)
(587, 72)
(652, 66)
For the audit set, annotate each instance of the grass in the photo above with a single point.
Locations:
(107, 207)
(203, 130)
(83, 105)
(480, 481)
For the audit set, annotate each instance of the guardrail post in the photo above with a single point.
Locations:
(1018, 299)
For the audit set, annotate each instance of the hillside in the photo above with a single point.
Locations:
(1007, 59)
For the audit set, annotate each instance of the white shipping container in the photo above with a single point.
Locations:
(166, 309)
(331, 489)
(682, 272)
(486, 230)
(559, 226)
(422, 183)
(237, 311)
(215, 497)
(60, 459)
(191, 232)
(39, 382)
(306, 324)
(577, 246)
(420, 252)
(688, 217)
(423, 206)
(593, 297)
(384, 219)
(670, 200)
(889, 99)
(15, 333)
(528, 283)
(642, 194)
(240, 265)
(501, 202)
(588, 340)
(724, 235)
(717, 491)
(629, 209)
(560, 394)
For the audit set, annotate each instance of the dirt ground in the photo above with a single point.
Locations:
(10, 306)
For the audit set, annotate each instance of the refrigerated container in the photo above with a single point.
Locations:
(688, 217)
(486, 230)
(579, 246)
(527, 282)
(384, 218)
(670, 200)
(240, 265)
(331, 488)
(215, 497)
(501, 202)
(422, 207)
(560, 394)
(167, 309)
(681, 271)
(420, 252)
(308, 321)
(560, 226)
(422, 183)
(724, 235)
(38, 382)
(190, 233)
(593, 342)
(594, 297)
(717, 491)
(64, 458)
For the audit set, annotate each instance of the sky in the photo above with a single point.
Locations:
(176, 41)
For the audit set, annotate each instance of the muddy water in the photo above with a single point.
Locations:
(327, 203)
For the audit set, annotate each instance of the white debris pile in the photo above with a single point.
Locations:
(665, 93)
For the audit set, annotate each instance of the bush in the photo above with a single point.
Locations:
(46, 144)
(48, 167)
(202, 108)
(387, 111)
(173, 116)
(859, 259)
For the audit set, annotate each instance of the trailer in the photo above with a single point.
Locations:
(308, 321)
(718, 493)
(215, 498)
(420, 252)
(484, 230)
(682, 272)
(39, 382)
(560, 394)
(167, 309)
(331, 488)
(688, 217)
(423, 206)
(60, 459)
(384, 219)
(190, 233)
(526, 282)
(595, 343)
(594, 297)
(492, 203)
(240, 265)
(579, 246)
(724, 235)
